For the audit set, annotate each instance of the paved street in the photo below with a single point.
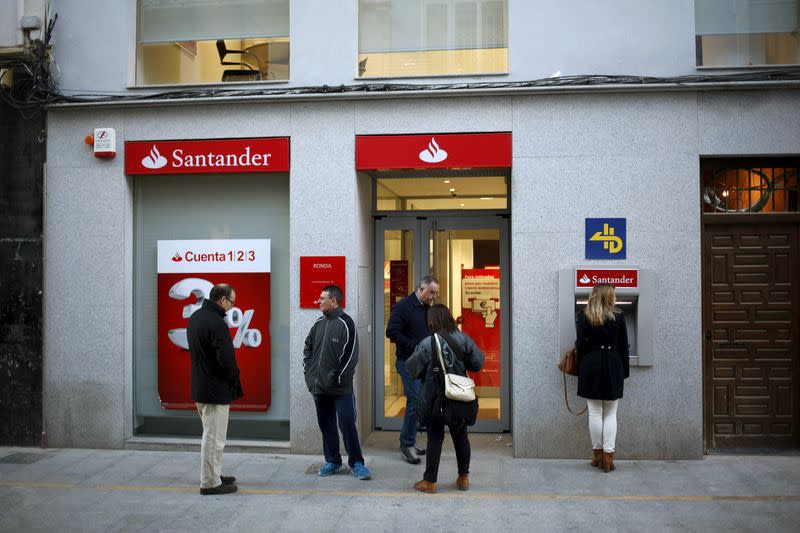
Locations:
(126, 490)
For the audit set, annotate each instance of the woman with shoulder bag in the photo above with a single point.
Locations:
(602, 345)
(460, 354)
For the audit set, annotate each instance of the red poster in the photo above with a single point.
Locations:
(316, 272)
(216, 156)
(480, 316)
(398, 281)
(438, 150)
(186, 272)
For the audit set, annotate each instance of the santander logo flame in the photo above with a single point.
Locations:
(177, 257)
(433, 154)
(155, 159)
(585, 279)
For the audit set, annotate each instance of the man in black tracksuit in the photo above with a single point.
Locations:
(329, 361)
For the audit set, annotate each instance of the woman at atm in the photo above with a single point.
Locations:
(602, 346)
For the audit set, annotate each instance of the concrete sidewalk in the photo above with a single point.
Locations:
(124, 490)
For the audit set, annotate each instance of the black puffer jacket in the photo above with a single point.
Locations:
(424, 364)
(215, 374)
(330, 354)
(604, 363)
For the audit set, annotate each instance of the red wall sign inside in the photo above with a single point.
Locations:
(480, 319)
(218, 156)
(318, 271)
(618, 277)
(474, 150)
(398, 281)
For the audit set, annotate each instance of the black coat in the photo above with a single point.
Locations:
(603, 352)
(424, 364)
(408, 324)
(215, 374)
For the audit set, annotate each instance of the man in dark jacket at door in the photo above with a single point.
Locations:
(329, 361)
(408, 324)
(215, 383)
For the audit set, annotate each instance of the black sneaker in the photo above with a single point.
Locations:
(227, 480)
(409, 453)
(219, 489)
(420, 451)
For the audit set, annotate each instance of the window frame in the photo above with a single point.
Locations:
(133, 45)
(356, 77)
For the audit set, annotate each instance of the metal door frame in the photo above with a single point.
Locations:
(421, 223)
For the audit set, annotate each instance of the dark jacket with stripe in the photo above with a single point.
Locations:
(330, 354)
(408, 324)
(215, 374)
(604, 363)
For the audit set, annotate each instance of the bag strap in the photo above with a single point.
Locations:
(439, 352)
(566, 399)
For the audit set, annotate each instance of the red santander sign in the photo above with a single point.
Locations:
(438, 150)
(621, 278)
(217, 156)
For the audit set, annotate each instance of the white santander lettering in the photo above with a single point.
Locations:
(211, 159)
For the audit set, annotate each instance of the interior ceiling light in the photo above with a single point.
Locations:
(462, 205)
(487, 198)
(447, 181)
(452, 189)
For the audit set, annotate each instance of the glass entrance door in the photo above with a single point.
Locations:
(469, 256)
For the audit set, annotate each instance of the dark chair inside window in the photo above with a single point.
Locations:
(246, 72)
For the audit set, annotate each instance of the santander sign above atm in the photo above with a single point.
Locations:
(218, 156)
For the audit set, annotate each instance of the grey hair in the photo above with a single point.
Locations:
(427, 280)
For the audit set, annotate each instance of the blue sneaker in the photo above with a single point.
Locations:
(328, 469)
(360, 471)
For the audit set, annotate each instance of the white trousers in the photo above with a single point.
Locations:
(603, 424)
(215, 431)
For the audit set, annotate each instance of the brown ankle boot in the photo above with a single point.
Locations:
(462, 482)
(608, 462)
(597, 457)
(425, 486)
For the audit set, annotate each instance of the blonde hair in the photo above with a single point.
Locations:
(600, 307)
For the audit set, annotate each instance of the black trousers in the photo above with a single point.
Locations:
(341, 409)
(434, 450)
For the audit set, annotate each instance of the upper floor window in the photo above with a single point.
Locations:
(209, 41)
(744, 33)
(432, 37)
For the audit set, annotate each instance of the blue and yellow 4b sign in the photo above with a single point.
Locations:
(605, 238)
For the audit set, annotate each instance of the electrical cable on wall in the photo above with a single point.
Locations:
(40, 89)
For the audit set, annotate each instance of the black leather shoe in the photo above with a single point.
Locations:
(227, 480)
(219, 489)
(410, 454)
(420, 451)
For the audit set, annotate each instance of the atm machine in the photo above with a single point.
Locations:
(635, 290)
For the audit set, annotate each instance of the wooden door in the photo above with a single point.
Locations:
(751, 284)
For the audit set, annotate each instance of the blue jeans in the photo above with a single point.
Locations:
(341, 408)
(408, 433)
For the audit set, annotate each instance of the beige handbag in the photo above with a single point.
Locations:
(457, 388)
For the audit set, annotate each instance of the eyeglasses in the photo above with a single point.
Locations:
(232, 302)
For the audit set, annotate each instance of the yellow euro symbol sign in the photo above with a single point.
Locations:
(611, 242)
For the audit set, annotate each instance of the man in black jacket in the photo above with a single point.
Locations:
(215, 383)
(329, 361)
(408, 324)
